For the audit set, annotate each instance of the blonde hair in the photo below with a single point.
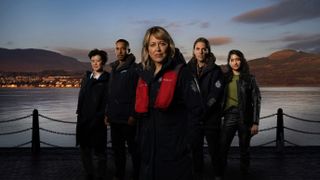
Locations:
(159, 33)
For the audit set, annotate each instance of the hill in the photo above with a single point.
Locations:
(281, 68)
(287, 68)
(37, 60)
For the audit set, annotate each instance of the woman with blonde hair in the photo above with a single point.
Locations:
(168, 103)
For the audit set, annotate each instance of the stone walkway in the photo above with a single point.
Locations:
(296, 163)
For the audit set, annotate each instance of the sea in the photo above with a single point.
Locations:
(303, 103)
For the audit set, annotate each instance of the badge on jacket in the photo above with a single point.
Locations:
(218, 84)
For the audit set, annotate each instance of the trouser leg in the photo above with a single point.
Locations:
(119, 151)
(228, 130)
(101, 161)
(197, 154)
(244, 144)
(87, 160)
(132, 149)
(213, 137)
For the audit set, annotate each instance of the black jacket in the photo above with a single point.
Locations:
(249, 97)
(211, 86)
(92, 101)
(165, 136)
(121, 93)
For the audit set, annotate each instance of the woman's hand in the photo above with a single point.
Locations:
(254, 129)
(106, 122)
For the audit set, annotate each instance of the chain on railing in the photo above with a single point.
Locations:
(301, 119)
(23, 144)
(279, 114)
(264, 144)
(291, 143)
(56, 132)
(19, 131)
(56, 120)
(300, 131)
(15, 132)
(267, 129)
(48, 144)
(16, 119)
(268, 116)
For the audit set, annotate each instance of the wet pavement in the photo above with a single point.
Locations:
(295, 163)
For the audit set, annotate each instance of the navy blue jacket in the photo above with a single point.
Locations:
(211, 86)
(90, 130)
(122, 88)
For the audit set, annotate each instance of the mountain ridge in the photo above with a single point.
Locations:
(287, 68)
(36, 60)
(281, 68)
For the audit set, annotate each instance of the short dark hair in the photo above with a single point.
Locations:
(124, 41)
(101, 53)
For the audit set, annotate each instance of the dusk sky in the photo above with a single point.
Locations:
(73, 27)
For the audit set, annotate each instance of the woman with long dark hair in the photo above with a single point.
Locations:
(210, 79)
(241, 110)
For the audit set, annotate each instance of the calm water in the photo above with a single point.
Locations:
(61, 104)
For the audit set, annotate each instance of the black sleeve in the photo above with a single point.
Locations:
(256, 100)
(193, 103)
(81, 92)
(134, 82)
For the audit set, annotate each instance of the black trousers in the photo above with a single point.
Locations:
(211, 131)
(94, 161)
(120, 134)
(230, 125)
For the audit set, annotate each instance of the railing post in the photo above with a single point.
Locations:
(280, 134)
(35, 133)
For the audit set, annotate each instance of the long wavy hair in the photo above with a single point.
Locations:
(244, 67)
(159, 33)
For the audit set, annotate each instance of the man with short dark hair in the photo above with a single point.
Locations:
(120, 109)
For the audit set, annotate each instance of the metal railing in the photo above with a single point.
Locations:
(35, 140)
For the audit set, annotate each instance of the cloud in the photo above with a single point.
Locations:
(283, 12)
(173, 25)
(153, 22)
(9, 43)
(303, 42)
(204, 25)
(219, 41)
(201, 24)
(82, 54)
(312, 46)
(293, 38)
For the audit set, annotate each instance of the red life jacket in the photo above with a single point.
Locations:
(165, 93)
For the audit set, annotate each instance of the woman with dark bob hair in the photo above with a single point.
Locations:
(168, 102)
(241, 110)
(90, 130)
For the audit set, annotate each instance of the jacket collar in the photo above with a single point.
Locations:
(169, 64)
(210, 65)
(130, 59)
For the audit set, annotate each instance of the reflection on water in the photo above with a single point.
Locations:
(61, 104)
